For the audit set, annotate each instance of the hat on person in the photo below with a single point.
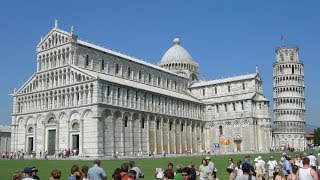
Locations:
(256, 159)
(27, 170)
(208, 158)
(259, 157)
(271, 157)
(34, 169)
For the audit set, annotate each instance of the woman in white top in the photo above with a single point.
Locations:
(231, 169)
(238, 169)
(258, 169)
(204, 170)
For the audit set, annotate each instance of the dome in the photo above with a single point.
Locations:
(176, 54)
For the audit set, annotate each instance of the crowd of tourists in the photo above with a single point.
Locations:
(299, 167)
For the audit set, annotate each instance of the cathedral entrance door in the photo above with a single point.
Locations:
(238, 145)
(75, 141)
(51, 141)
(30, 144)
(237, 141)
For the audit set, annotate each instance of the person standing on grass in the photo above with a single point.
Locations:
(210, 168)
(293, 175)
(193, 171)
(34, 173)
(96, 172)
(73, 170)
(136, 169)
(271, 165)
(186, 173)
(287, 168)
(16, 175)
(27, 173)
(85, 170)
(55, 174)
(306, 172)
(168, 174)
(203, 168)
(178, 175)
(124, 171)
(246, 168)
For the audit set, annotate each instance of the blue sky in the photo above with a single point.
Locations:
(226, 38)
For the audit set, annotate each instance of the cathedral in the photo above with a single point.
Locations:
(104, 103)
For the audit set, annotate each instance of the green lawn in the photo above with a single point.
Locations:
(148, 166)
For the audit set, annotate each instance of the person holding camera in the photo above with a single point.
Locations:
(230, 169)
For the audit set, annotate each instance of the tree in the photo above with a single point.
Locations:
(316, 137)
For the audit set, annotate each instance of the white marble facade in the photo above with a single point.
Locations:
(289, 99)
(103, 103)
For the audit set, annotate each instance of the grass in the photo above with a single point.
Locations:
(147, 166)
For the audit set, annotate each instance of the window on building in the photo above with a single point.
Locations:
(215, 90)
(125, 121)
(229, 88)
(87, 60)
(242, 106)
(225, 108)
(217, 108)
(292, 70)
(108, 91)
(142, 123)
(201, 129)
(30, 130)
(137, 95)
(170, 126)
(119, 93)
(234, 106)
(181, 126)
(139, 75)
(175, 85)
(220, 130)
(243, 86)
(102, 64)
(129, 72)
(75, 126)
(150, 78)
(159, 81)
(167, 83)
(116, 68)
(128, 94)
(203, 92)
(158, 124)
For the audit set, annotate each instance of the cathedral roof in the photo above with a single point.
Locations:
(126, 57)
(224, 80)
(145, 87)
(238, 97)
(4, 128)
(176, 54)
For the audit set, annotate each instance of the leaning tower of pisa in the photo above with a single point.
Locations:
(289, 99)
